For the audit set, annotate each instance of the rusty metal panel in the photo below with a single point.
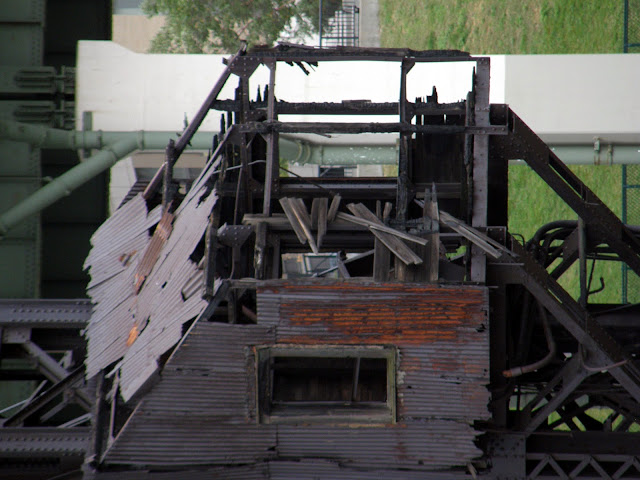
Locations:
(441, 333)
(328, 470)
(151, 254)
(202, 411)
(430, 445)
(458, 373)
(356, 312)
(176, 441)
(236, 472)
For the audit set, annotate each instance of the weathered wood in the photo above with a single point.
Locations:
(303, 218)
(314, 211)
(381, 254)
(393, 243)
(322, 217)
(293, 221)
(387, 211)
(279, 221)
(342, 269)
(259, 264)
(406, 129)
(482, 241)
(431, 219)
(379, 226)
(333, 209)
(273, 163)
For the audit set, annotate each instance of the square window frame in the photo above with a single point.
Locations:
(385, 414)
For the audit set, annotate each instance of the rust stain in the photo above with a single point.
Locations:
(411, 316)
(152, 252)
(133, 334)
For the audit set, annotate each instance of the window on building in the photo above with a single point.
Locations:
(326, 384)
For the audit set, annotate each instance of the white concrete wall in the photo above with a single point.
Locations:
(573, 98)
(557, 95)
(564, 98)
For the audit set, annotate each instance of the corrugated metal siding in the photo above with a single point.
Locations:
(328, 470)
(202, 411)
(158, 311)
(442, 337)
(243, 472)
(117, 248)
(432, 444)
(287, 470)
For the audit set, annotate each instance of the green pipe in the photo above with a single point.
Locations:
(599, 153)
(117, 145)
(66, 183)
(44, 137)
(291, 149)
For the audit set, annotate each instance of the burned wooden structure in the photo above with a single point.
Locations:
(433, 345)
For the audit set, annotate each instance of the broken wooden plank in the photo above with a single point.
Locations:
(314, 211)
(279, 221)
(387, 211)
(482, 241)
(399, 249)
(260, 249)
(300, 211)
(342, 269)
(378, 225)
(333, 209)
(293, 221)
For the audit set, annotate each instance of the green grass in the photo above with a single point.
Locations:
(522, 27)
(532, 203)
(597, 413)
(503, 26)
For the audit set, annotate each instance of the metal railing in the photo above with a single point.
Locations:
(343, 28)
(630, 215)
(631, 36)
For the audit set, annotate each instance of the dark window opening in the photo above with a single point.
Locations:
(330, 384)
(320, 380)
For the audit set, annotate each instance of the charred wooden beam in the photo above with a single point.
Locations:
(346, 107)
(372, 127)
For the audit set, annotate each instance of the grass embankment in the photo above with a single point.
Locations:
(503, 26)
(523, 27)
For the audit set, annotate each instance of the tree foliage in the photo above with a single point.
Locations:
(213, 26)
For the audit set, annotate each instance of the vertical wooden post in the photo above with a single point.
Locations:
(273, 160)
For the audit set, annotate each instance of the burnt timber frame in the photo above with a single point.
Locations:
(489, 136)
(592, 364)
